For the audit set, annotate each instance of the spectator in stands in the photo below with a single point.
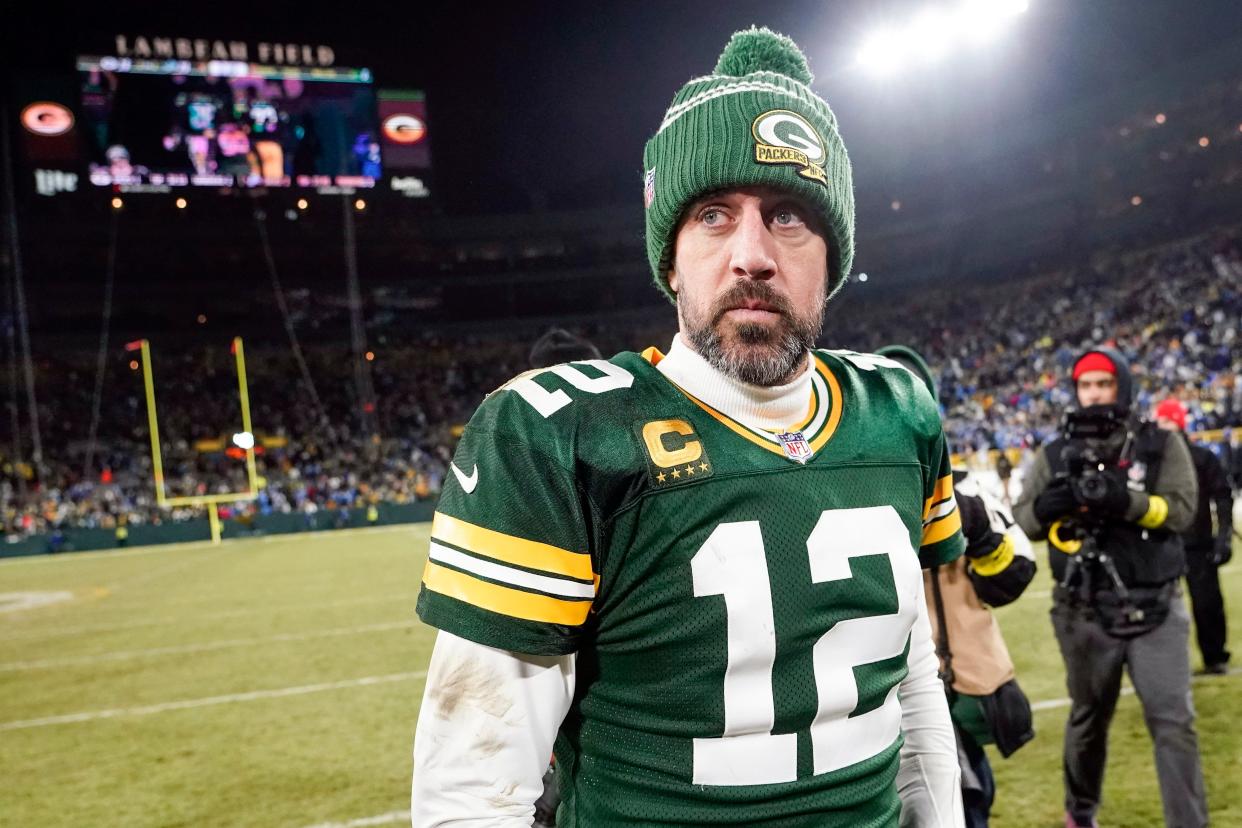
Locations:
(1205, 550)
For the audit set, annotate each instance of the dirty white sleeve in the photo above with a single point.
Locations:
(929, 780)
(485, 734)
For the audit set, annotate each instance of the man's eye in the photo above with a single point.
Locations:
(787, 218)
(711, 217)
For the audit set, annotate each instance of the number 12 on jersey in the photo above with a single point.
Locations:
(732, 563)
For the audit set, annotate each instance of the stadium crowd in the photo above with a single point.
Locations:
(1002, 349)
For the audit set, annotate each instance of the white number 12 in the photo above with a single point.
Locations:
(732, 563)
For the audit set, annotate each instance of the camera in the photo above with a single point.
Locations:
(1087, 459)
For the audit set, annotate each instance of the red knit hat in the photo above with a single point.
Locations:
(1172, 409)
(1094, 361)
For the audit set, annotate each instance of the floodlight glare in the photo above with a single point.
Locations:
(244, 440)
(932, 35)
(981, 20)
(881, 54)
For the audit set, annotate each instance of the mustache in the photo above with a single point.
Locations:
(745, 291)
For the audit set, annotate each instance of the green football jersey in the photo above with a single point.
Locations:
(740, 601)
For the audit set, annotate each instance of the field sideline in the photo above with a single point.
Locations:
(276, 682)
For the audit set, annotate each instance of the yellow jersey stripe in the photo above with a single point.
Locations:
(943, 490)
(836, 401)
(507, 548)
(942, 529)
(811, 410)
(512, 602)
(735, 427)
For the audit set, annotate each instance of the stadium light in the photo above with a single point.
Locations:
(1136, 200)
(1160, 118)
(202, 319)
(117, 203)
(896, 205)
(370, 356)
(882, 53)
(936, 32)
(360, 205)
(1204, 141)
(862, 277)
(181, 203)
(244, 440)
(303, 204)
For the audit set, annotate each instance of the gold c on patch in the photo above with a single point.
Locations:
(675, 454)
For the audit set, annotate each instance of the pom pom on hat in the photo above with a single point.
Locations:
(763, 50)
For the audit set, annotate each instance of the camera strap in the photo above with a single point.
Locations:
(942, 635)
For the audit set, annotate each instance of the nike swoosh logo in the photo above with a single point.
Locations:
(467, 483)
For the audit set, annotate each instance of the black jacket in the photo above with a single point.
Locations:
(1213, 488)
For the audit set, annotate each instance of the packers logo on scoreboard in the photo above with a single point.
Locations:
(784, 137)
(675, 454)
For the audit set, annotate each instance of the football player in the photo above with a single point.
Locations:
(699, 573)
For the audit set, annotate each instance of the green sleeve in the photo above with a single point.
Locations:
(942, 523)
(510, 563)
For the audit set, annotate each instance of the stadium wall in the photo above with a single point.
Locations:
(86, 540)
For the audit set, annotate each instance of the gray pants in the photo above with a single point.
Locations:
(1159, 667)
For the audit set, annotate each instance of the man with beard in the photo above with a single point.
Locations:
(1112, 494)
(700, 572)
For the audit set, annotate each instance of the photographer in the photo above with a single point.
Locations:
(986, 704)
(1111, 495)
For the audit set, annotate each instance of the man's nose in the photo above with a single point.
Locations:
(753, 253)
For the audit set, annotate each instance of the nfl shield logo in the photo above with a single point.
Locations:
(795, 445)
(649, 187)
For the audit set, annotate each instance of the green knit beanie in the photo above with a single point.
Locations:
(754, 121)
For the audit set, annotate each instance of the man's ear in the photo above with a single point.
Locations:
(672, 279)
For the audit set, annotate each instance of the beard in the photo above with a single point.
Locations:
(753, 352)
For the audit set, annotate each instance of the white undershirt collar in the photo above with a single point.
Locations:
(771, 408)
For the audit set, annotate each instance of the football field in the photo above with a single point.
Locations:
(276, 682)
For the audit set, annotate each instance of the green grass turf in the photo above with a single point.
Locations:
(153, 626)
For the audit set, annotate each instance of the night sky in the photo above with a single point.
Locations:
(550, 102)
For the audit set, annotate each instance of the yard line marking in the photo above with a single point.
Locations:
(1051, 704)
(211, 616)
(201, 647)
(17, 601)
(186, 704)
(106, 555)
(362, 822)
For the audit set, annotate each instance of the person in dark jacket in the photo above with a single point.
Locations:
(986, 704)
(1112, 496)
(1205, 550)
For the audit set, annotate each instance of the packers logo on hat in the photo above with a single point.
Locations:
(784, 137)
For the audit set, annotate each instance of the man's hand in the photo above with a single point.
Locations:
(1054, 503)
(1222, 552)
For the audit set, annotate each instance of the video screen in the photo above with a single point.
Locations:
(176, 123)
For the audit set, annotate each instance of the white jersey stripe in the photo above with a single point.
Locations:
(945, 508)
(508, 575)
